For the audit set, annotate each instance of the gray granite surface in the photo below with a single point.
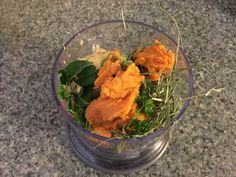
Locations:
(32, 134)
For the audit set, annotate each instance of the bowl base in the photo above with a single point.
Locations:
(87, 158)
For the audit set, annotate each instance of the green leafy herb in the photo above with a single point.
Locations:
(149, 107)
(87, 76)
(72, 70)
(80, 100)
(144, 100)
(62, 77)
(137, 127)
(76, 74)
(90, 93)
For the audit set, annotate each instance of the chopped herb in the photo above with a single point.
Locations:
(137, 127)
(78, 74)
(149, 107)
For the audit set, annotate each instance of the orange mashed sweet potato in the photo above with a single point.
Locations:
(116, 105)
(156, 59)
(109, 69)
(123, 84)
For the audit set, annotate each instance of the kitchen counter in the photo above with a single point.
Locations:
(32, 134)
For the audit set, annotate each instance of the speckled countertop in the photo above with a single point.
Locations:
(32, 135)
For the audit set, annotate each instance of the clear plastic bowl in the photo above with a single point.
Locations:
(100, 152)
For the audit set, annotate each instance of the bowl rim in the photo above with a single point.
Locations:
(70, 119)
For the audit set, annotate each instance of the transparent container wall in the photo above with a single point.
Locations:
(92, 149)
(131, 156)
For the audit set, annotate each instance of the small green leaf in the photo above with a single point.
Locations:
(82, 102)
(87, 76)
(75, 67)
(79, 100)
(90, 93)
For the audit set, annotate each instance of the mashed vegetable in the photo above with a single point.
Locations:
(116, 104)
(156, 59)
